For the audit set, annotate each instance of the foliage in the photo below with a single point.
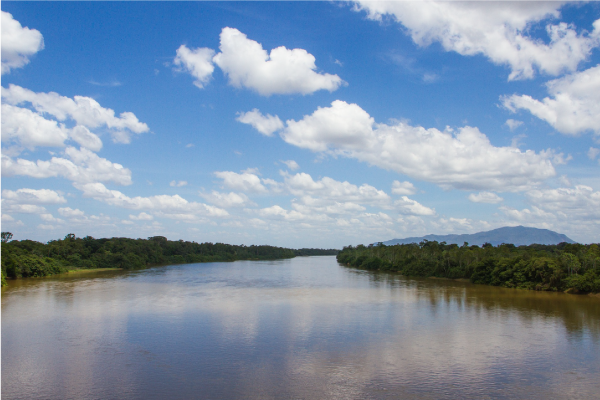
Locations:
(2, 279)
(6, 236)
(535, 267)
(316, 252)
(28, 258)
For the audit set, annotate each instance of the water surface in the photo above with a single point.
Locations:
(305, 328)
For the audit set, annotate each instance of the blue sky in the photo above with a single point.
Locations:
(299, 124)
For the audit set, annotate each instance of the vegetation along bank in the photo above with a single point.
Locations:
(563, 267)
(28, 258)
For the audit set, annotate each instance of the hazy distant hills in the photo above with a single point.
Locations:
(517, 235)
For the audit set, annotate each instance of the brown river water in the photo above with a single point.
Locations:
(305, 328)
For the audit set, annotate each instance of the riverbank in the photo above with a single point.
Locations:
(28, 258)
(565, 267)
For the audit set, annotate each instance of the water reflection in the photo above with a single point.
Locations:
(301, 328)
(579, 314)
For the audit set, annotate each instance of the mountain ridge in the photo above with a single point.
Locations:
(517, 235)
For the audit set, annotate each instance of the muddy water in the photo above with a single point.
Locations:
(304, 328)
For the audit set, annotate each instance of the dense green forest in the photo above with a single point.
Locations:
(561, 267)
(28, 258)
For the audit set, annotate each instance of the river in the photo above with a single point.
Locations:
(304, 328)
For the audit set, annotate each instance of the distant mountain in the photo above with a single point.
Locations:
(517, 235)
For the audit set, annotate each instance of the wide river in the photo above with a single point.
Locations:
(305, 328)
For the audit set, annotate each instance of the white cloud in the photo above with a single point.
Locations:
(342, 123)
(82, 166)
(84, 111)
(141, 217)
(593, 153)
(68, 212)
(309, 205)
(32, 196)
(283, 71)
(30, 130)
(227, 200)
(264, 124)
(464, 160)
(277, 212)
(485, 197)
(18, 43)
(572, 211)
(247, 181)
(574, 105)
(85, 138)
(513, 124)
(578, 203)
(291, 164)
(302, 184)
(178, 183)
(198, 62)
(403, 188)
(412, 207)
(7, 218)
(497, 30)
(23, 208)
(174, 207)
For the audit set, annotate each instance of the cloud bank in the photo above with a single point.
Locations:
(453, 160)
(496, 30)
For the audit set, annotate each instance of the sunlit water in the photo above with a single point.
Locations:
(304, 328)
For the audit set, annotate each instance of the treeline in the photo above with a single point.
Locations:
(561, 267)
(316, 252)
(28, 258)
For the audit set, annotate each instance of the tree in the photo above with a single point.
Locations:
(6, 236)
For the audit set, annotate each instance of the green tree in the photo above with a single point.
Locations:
(6, 236)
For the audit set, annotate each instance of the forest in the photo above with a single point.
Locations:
(564, 267)
(28, 258)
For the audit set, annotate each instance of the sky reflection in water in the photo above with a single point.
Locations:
(301, 328)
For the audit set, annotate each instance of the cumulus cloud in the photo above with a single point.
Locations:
(580, 202)
(32, 196)
(68, 212)
(141, 217)
(264, 124)
(85, 138)
(574, 211)
(291, 164)
(84, 111)
(573, 106)
(81, 166)
(23, 208)
(282, 71)
(198, 62)
(30, 129)
(463, 160)
(178, 183)
(227, 200)
(25, 128)
(174, 207)
(18, 43)
(497, 30)
(513, 124)
(7, 218)
(403, 188)
(485, 197)
(309, 205)
(302, 184)
(412, 207)
(247, 181)
(29, 201)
